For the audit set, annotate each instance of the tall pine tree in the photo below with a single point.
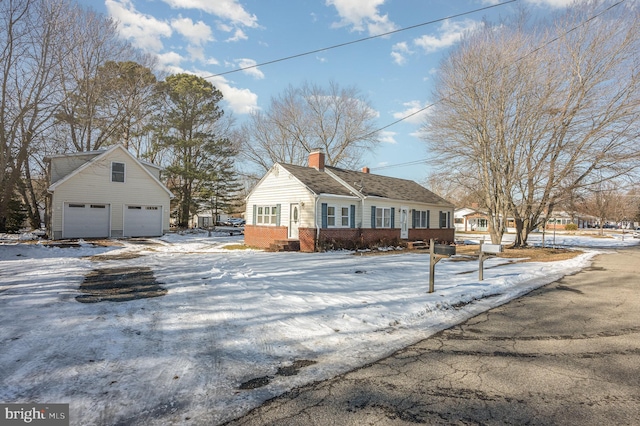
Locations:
(190, 138)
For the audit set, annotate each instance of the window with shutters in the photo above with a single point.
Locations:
(267, 215)
(338, 217)
(383, 217)
(421, 219)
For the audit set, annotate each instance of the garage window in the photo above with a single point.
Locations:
(134, 207)
(77, 206)
(98, 206)
(117, 172)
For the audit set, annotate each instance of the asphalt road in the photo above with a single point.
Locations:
(565, 354)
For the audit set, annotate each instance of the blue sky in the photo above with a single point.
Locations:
(394, 73)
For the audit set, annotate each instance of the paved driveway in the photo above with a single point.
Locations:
(566, 354)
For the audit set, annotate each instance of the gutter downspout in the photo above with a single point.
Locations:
(315, 219)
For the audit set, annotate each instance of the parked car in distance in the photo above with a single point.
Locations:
(636, 233)
(236, 221)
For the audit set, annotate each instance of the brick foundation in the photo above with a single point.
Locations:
(334, 238)
(263, 236)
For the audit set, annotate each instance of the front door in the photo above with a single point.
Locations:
(294, 221)
(404, 223)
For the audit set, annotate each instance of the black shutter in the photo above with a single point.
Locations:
(324, 215)
(373, 217)
(352, 216)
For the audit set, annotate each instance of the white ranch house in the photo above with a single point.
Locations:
(316, 207)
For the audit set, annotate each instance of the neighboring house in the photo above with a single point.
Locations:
(470, 219)
(321, 206)
(560, 220)
(107, 193)
(205, 220)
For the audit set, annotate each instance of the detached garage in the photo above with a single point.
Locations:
(107, 193)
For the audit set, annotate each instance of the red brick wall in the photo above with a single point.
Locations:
(307, 238)
(350, 238)
(263, 236)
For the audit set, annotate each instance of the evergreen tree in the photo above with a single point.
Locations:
(221, 187)
(188, 133)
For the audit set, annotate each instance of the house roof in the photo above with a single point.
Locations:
(96, 153)
(348, 182)
(317, 181)
(100, 154)
(372, 185)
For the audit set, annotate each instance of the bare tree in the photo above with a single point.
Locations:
(526, 124)
(87, 122)
(338, 120)
(30, 52)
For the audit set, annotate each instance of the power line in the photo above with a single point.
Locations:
(517, 60)
(409, 163)
(335, 46)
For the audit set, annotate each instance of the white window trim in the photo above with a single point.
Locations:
(424, 214)
(272, 215)
(337, 216)
(124, 172)
(383, 218)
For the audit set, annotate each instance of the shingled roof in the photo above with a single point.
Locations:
(371, 185)
(367, 184)
(317, 181)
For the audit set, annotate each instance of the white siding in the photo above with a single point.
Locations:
(93, 185)
(338, 202)
(434, 210)
(280, 187)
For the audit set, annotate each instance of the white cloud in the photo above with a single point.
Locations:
(196, 53)
(225, 9)
(361, 14)
(388, 137)
(241, 101)
(252, 69)
(450, 33)
(412, 107)
(238, 35)
(144, 31)
(399, 52)
(196, 34)
(169, 59)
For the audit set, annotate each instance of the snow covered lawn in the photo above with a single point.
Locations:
(235, 325)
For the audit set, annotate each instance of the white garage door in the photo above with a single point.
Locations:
(85, 220)
(142, 221)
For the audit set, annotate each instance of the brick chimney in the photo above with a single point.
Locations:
(365, 170)
(316, 159)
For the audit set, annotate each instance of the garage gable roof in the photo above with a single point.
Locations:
(97, 158)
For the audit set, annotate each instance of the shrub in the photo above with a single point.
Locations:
(571, 227)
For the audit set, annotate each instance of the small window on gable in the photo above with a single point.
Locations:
(117, 172)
